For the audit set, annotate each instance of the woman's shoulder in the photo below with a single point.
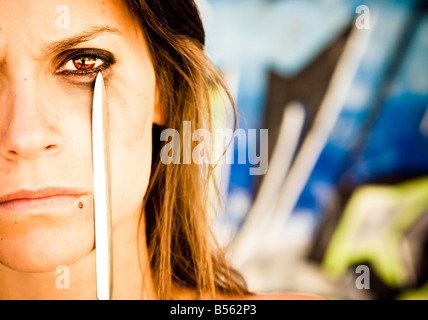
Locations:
(283, 296)
(186, 294)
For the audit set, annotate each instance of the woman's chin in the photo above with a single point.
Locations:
(44, 250)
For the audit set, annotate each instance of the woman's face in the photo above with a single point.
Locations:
(50, 52)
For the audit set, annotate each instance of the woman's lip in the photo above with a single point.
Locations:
(47, 199)
(40, 193)
(45, 204)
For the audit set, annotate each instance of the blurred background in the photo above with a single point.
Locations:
(342, 87)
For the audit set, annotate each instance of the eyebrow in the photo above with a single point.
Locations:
(51, 48)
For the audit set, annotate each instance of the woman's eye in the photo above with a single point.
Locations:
(84, 63)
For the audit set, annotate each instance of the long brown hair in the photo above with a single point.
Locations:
(182, 250)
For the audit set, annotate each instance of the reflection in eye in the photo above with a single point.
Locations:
(86, 63)
(82, 63)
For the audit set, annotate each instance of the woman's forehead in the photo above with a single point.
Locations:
(35, 23)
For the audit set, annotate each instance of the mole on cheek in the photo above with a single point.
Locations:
(80, 205)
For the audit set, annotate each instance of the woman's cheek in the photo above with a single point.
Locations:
(130, 121)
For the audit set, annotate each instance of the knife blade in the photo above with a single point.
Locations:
(102, 191)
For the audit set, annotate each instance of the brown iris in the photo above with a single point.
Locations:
(84, 63)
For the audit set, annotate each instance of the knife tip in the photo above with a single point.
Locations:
(99, 78)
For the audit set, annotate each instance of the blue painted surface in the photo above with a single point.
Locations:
(256, 36)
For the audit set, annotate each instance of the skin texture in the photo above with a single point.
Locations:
(45, 140)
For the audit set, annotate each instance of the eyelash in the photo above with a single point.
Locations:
(106, 57)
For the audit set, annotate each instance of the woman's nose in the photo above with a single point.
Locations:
(27, 123)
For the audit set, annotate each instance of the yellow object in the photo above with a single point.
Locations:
(372, 230)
